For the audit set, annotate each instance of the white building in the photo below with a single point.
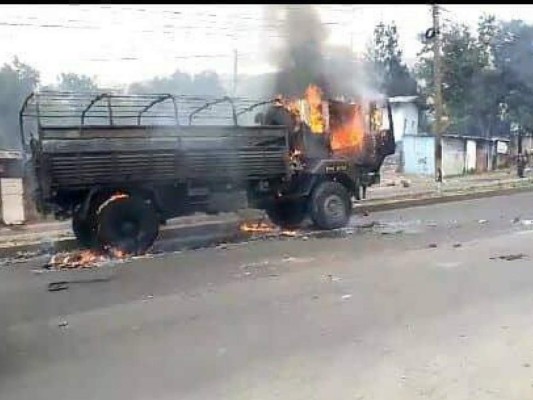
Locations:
(404, 116)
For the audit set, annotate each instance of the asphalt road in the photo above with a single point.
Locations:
(417, 306)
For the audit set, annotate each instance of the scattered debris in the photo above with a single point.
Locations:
(482, 221)
(516, 220)
(510, 257)
(57, 286)
(455, 245)
(37, 271)
(431, 224)
(265, 228)
(333, 278)
(297, 259)
(367, 225)
(256, 264)
(63, 324)
(527, 222)
(526, 365)
(365, 213)
(391, 231)
(405, 183)
(432, 245)
(346, 296)
(315, 297)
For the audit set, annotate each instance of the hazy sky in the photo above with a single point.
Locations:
(119, 44)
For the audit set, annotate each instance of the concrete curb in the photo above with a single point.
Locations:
(208, 233)
(173, 238)
(431, 198)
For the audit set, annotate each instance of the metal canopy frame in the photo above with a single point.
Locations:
(49, 106)
(212, 103)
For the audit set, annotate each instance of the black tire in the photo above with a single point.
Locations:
(83, 230)
(287, 214)
(127, 224)
(331, 205)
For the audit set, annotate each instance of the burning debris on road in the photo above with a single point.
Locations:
(83, 259)
(266, 228)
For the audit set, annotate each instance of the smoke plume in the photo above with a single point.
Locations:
(301, 60)
(306, 58)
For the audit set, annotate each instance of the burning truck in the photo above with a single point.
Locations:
(122, 165)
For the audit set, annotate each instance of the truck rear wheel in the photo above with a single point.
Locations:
(83, 230)
(331, 205)
(287, 214)
(127, 224)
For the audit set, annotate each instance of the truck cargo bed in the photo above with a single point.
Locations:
(80, 141)
(71, 157)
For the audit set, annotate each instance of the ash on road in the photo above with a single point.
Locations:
(427, 302)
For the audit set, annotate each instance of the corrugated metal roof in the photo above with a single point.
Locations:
(456, 136)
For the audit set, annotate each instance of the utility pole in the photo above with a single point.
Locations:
(235, 61)
(437, 77)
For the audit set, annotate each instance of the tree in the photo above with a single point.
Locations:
(17, 81)
(472, 86)
(205, 83)
(70, 82)
(385, 63)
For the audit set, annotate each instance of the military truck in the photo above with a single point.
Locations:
(122, 165)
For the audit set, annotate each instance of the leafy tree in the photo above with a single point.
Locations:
(70, 82)
(472, 87)
(204, 83)
(17, 80)
(385, 63)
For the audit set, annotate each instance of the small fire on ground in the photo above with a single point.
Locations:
(83, 259)
(265, 228)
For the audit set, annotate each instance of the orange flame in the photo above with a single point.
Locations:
(262, 227)
(349, 136)
(345, 136)
(83, 259)
(79, 259)
(313, 95)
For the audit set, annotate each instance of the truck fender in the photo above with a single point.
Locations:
(86, 204)
(93, 192)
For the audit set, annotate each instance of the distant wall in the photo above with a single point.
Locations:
(404, 119)
(419, 155)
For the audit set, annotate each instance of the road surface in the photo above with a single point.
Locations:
(430, 302)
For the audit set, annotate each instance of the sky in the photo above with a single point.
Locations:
(120, 44)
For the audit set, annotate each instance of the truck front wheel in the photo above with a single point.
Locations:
(287, 214)
(128, 224)
(331, 205)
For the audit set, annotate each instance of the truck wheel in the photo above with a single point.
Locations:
(127, 224)
(288, 214)
(331, 205)
(82, 230)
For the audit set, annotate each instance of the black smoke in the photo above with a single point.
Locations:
(306, 58)
(301, 60)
